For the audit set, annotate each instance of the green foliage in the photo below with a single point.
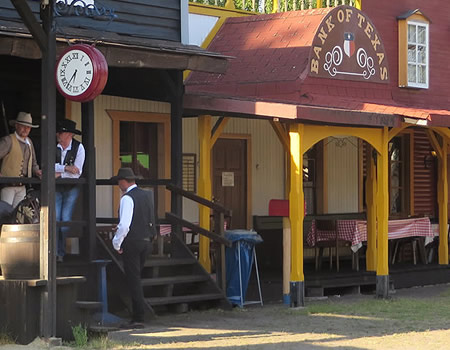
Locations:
(5, 339)
(80, 336)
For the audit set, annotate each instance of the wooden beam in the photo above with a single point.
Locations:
(281, 133)
(218, 129)
(435, 143)
(32, 24)
(395, 131)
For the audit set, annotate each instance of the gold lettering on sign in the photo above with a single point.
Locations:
(349, 13)
(340, 16)
(383, 73)
(330, 24)
(380, 57)
(362, 19)
(322, 35)
(317, 50)
(375, 42)
(315, 66)
(368, 30)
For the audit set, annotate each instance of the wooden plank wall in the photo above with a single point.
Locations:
(151, 19)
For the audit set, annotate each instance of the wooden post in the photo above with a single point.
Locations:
(48, 146)
(89, 208)
(286, 259)
(443, 204)
(371, 190)
(296, 216)
(204, 187)
(382, 289)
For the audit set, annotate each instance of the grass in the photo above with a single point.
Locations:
(417, 312)
(6, 339)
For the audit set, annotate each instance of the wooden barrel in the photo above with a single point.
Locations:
(19, 251)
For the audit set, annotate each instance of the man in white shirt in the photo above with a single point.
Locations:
(70, 156)
(132, 239)
(18, 158)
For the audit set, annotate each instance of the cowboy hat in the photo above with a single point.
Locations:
(67, 125)
(23, 119)
(125, 174)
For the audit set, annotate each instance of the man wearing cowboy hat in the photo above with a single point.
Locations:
(18, 158)
(132, 239)
(70, 156)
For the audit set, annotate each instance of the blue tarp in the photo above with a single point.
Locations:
(247, 240)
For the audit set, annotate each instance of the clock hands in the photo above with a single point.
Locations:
(73, 76)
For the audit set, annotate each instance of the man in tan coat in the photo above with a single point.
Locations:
(18, 158)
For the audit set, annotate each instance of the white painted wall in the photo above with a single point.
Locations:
(342, 174)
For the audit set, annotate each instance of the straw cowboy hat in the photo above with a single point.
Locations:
(67, 125)
(125, 174)
(23, 119)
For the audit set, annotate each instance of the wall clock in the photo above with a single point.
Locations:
(81, 73)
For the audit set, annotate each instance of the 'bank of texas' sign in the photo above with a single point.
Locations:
(348, 46)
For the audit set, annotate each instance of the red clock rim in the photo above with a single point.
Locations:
(87, 49)
(102, 74)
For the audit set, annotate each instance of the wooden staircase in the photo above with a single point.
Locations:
(172, 279)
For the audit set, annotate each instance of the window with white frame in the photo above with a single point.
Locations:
(418, 44)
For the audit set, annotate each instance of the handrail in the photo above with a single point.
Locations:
(197, 229)
(198, 199)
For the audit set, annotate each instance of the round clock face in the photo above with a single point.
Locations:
(81, 73)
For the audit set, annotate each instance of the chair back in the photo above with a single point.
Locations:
(326, 225)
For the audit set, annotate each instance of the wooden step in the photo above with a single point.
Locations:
(89, 305)
(174, 280)
(183, 299)
(155, 262)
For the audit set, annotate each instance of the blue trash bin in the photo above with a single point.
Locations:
(241, 253)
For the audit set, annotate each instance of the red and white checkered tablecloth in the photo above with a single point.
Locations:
(356, 230)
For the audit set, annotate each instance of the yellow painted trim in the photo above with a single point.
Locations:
(435, 143)
(371, 191)
(68, 109)
(219, 131)
(360, 175)
(411, 173)
(325, 179)
(315, 133)
(383, 205)
(402, 53)
(164, 154)
(358, 4)
(319, 4)
(395, 131)
(296, 202)
(204, 187)
(443, 205)
(281, 133)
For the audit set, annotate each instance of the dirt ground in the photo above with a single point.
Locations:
(276, 326)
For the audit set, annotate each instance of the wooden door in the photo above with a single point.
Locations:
(230, 178)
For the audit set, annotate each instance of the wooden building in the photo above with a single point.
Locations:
(144, 44)
(358, 99)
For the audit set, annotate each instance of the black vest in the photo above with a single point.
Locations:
(143, 220)
(70, 155)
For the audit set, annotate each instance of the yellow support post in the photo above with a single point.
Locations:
(275, 6)
(371, 190)
(443, 204)
(358, 4)
(382, 289)
(204, 187)
(296, 216)
(319, 4)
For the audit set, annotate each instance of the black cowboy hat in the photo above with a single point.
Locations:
(125, 174)
(67, 125)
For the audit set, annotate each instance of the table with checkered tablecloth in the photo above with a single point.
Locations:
(355, 231)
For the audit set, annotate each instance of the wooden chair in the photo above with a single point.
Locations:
(334, 242)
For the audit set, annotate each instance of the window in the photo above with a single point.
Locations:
(417, 54)
(413, 50)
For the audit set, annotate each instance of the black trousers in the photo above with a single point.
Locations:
(134, 254)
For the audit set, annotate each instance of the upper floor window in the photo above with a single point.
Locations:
(418, 54)
(413, 50)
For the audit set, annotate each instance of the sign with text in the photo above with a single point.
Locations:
(227, 179)
(347, 46)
